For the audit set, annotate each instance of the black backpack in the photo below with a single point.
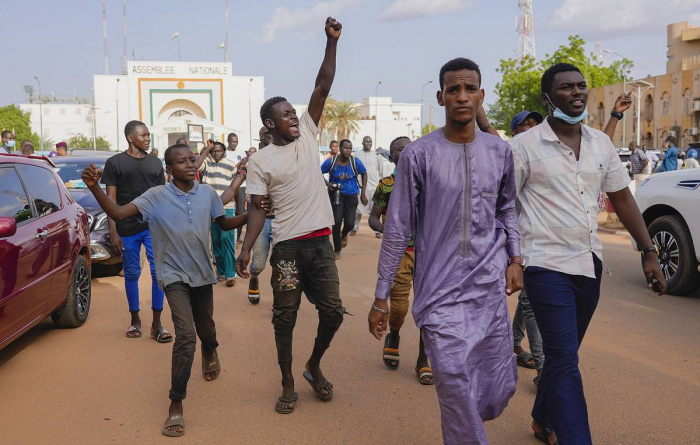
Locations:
(334, 161)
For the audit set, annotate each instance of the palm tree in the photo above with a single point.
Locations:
(323, 124)
(343, 119)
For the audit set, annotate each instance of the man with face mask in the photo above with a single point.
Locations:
(560, 167)
(8, 141)
(218, 171)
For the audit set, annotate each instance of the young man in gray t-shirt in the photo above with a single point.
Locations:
(179, 216)
(302, 257)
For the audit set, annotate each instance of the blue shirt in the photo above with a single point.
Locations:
(180, 223)
(670, 162)
(343, 174)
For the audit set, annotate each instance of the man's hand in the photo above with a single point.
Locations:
(117, 244)
(363, 199)
(91, 175)
(623, 102)
(242, 263)
(652, 272)
(514, 278)
(333, 28)
(378, 322)
(266, 204)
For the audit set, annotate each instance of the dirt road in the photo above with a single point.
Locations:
(640, 363)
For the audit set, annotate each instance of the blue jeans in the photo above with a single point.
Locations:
(224, 247)
(563, 305)
(132, 270)
(261, 249)
(524, 320)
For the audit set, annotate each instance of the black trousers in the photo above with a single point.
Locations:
(192, 309)
(306, 266)
(343, 213)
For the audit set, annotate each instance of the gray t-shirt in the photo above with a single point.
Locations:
(180, 223)
(292, 176)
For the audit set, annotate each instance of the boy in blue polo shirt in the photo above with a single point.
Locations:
(179, 216)
(343, 170)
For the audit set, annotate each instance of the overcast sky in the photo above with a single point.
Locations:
(403, 43)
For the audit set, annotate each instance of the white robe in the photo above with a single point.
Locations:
(375, 171)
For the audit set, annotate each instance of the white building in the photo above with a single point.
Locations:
(167, 97)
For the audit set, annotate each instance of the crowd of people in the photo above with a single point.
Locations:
(472, 218)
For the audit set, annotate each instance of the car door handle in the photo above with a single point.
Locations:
(43, 234)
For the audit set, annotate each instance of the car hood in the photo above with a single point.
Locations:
(86, 200)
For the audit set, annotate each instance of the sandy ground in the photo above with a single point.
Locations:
(640, 363)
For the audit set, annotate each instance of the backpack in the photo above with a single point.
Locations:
(334, 161)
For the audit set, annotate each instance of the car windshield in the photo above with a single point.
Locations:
(70, 173)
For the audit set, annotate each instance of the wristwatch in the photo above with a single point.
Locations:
(617, 115)
(654, 248)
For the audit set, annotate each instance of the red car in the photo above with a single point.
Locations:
(44, 249)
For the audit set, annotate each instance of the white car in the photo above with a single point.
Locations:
(670, 205)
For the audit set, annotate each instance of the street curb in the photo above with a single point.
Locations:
(614, 232)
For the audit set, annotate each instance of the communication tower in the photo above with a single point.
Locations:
(525, 26)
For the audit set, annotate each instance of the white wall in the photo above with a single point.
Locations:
(60, 121)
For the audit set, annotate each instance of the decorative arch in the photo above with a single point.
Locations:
(185, 105)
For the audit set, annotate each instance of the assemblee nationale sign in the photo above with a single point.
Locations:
(181, 69)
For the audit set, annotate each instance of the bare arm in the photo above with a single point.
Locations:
(91, 176)
(622, 103)
(483, 122)
(326, 73)
(203, 155)
(375, 222)
(256, 221)
(630, 217)
(231, 222)
(112, 194)
(232, 191)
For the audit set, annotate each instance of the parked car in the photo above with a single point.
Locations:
(669, 203)
(69, 168)
(44, 249)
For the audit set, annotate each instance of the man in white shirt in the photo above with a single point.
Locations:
(561, 165)
(375, 172)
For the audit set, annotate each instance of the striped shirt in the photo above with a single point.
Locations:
(558, 196)
(218, 175)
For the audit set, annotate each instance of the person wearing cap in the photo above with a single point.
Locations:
(62, 149)
(524, 319)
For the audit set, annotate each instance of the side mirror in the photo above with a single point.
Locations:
(8, 226)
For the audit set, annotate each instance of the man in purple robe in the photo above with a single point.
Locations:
(455, 191)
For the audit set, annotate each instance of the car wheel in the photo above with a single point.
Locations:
(676, 254)
(77, 306)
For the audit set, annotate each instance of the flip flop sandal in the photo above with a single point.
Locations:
(390, 355)
(544, 436)
(162, 335)
(174, 420)
(523, 359)
(315, 386)
(133, 332)
(230, 282)
(254, 296)
(212, 366)
(290, 404)
(425, 375)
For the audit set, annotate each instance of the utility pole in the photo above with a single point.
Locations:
(104, 33)
(41, 116)
(117, 103)
(124, 26)
(226, 38)
(250, 116)
(93, 108)
(430, 118)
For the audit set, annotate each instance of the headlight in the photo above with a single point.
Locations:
(102, 223)
(98, 253)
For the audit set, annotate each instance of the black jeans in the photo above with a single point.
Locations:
(344, 212)
(304, 266)
(192, 309)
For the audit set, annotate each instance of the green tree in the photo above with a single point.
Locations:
(519, 88)
(343, 118)
(427, 128)
(82, 141)
(19, 122)
(47, 144)
(323, 123)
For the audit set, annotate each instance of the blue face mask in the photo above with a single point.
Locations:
(11, 144)
(565, 117)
